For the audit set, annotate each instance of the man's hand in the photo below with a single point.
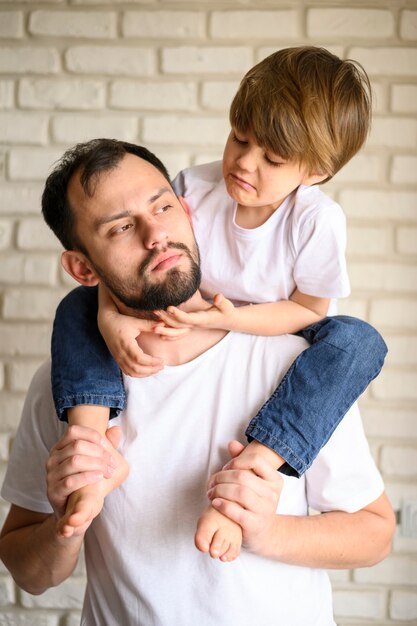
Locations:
(219, 316)
(247, 490)
(80, 458)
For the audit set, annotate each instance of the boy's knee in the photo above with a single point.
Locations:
(356, 335)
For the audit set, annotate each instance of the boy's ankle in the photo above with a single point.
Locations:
(267, 453)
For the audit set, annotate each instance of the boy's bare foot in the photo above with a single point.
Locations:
(85, 504)
(218, 535)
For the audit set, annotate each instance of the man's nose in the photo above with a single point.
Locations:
(153, 233)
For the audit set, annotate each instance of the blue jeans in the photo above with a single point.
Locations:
(321, 385)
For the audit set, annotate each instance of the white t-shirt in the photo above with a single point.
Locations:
(142, 566)
(301, 245)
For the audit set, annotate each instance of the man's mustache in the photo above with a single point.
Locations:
(154, 253)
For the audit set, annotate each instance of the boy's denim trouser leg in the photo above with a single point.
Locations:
(321, 385)
(83, 370)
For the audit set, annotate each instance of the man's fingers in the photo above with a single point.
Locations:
(255, 462)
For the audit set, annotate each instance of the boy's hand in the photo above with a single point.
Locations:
(219, 316)
(120, 333)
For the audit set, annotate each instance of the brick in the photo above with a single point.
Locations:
(367, 604)
(394, 570)
(24, 618)
(393, 132)
(186, 130)
(338, 576)
(11, 268)
(173, 161)
(7, 591)
(363, 168)
(40, 269)
(408, 25)
(367, 23)
(18, 199)
(395, 385)
(407, 240)
(404, 545)
(34, 234)
(383, 277)
(404, 98)
(20, 373)
(25, 339)
(69, 595)
(386, 61)
(403, 605)
(371, 241)
(218, 95)
(394, 312)
(6, 94)
(1, 387)
(73, 619)
(378, 205)
(163, 24)
(109, 60)
(6, 231)
(208, 157)
(352, 306)
(45, 93)
(31, 304)
(399, 461)
(402, 349)
(11, 409)
(155, 96)
(11, 24)
(4, 446)
(31, 163)
(26, 60)
(379, 98)
(254, 24)
(73, 24)
(76, 128)
(27, 128)
(206, 60)
(390, 423)
(403, 170)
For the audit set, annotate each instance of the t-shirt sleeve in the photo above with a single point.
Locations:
(320, 265)
(344, 476)
(39, 429)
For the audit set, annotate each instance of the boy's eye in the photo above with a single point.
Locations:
(273, 163)
(241, 142)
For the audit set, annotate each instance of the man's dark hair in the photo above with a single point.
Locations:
(92, 159)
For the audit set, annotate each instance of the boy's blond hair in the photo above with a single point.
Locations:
(307, 105)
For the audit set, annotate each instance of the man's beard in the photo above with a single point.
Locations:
(140, 294)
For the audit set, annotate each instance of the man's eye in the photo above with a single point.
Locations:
(163, 209)
(121, 229)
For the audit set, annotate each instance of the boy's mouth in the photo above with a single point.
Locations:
(242, 182)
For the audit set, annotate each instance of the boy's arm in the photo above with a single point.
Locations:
(248, 492)
(272, 318)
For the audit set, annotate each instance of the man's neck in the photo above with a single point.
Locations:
(185, 348)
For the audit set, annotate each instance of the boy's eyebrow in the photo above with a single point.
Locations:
(101, 221)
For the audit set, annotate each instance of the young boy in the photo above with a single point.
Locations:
(268, 236)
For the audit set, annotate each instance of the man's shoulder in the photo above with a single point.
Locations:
(198, 179)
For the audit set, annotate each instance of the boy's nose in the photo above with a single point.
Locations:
(247, 160)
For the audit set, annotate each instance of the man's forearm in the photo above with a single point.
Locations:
(334, 540)
(37, 557)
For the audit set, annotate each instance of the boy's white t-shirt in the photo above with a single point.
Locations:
(143, 568)
(301, 245)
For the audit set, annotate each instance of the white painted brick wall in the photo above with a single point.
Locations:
(163, 72)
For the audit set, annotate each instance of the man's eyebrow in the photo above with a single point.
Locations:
(111, 218)
(159, 193)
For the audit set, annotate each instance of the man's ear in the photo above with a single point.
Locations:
(78, 266)
(186, 208)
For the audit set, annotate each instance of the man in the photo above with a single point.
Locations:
(142, 566)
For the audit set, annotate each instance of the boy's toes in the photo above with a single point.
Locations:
(219, 545)
(231, 554)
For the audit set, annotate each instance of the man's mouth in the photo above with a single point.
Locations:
(165, 260)
(242, 183)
